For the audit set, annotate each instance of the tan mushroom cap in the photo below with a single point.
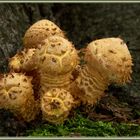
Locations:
(15, 84)
(16, 94)
(56, 105)
(114, 56)
(23, 61)
(39, 31)
(56, 56)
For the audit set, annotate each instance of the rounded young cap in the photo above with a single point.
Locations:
(56, 56)
(39, 31)
(56, 105)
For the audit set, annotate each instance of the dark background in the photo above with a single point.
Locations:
(82, 24)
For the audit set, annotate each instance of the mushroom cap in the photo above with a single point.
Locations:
(114, 56)
(56, 105)
(16, 94)
(23, 61)
(39, 31)
(56, 56)
(15, 89)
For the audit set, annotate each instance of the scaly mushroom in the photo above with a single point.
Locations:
(39, 31)
(115, 57)
(16, 94)
(56, 105)
(57, 58)
(23, 61)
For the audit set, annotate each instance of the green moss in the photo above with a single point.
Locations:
(127, 129)
(84, 127)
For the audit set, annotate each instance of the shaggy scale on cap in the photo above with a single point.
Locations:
(115, 57)
(39, 31)
(56, 105)
(16, 94)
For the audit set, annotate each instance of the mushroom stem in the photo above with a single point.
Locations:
(92, 81)
(49, 81)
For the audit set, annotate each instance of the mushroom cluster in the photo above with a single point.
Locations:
(46, 75)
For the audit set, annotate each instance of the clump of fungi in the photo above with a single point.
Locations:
(46, 75)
